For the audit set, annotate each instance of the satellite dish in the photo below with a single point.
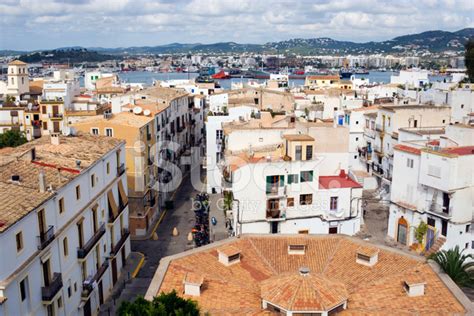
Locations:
(147, 112)
(137, 110)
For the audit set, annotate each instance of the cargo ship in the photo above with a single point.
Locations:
(221, 75)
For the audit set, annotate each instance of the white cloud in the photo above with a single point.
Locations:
(109, 23)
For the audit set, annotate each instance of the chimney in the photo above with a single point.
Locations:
(192, 284)
(229, 255)
(414, 285)
(55, 139)
(42, 181)
(342, 173)
(367, 256)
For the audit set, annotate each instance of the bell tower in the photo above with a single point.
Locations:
(18, 82)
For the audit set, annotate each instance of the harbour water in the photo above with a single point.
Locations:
(147, 77)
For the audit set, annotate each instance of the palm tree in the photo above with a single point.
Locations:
(455, 264)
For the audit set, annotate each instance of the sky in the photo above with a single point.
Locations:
(46, 24)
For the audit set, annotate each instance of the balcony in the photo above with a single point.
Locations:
(45, 238)
(272, 213)
(49, 292)
(86, 249)
(87, 285)
(55, 116)
(120, 243)
(440, 210)
(121, 207)
(120, 170)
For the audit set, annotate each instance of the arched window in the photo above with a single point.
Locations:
(13, 81)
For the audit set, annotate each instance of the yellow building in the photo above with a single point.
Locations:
(138, 131)
(320, 81)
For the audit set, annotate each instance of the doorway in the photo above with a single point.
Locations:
(274, 228)
(114, 271)
(87, 308)
(402, 231)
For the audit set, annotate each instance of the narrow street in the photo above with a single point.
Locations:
(182, 217)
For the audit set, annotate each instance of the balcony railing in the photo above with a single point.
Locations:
(441, 210)
(121, 207)
(57, 116)
(84, 251)
(273, 213)
(45, 238)
(120, 170)
(49, 292)
(87, 285)
(116, 248)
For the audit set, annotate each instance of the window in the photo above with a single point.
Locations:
(290, 202)
(298, 152)
(333, 230)
(409, 163)
(306, 176)
(43, 109)
(93, 180)
(292, 178)
(78, 192)
(306, 199)
(60, 302)
(357, 122)
(109, 132)
(61, 205)
(366, 123)
(95, 131)
(108, 167)
(219, 134)
(309, 152)
(468, 227)
(19, 241)
(69, 291)
(333, 203)
(24, 289)
(65, 247)
(273, 182)
(466, 246)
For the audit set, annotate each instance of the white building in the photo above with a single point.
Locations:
(214, 141)
(91, 77)
(412, 78)
(433, 183)
(63, 225)
(281, 188)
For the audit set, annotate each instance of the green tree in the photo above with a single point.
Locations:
(12, 138)
(469, 59)
(455, 264)
(166, 304)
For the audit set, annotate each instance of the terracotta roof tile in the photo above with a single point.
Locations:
(267, 270)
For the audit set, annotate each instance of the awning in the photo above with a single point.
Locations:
(112, 204)
(122, 193)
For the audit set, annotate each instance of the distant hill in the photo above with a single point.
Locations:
(65, 55)
(431, 41)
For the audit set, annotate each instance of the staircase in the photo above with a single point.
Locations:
(439, 242)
